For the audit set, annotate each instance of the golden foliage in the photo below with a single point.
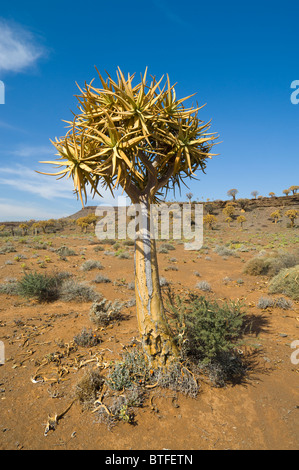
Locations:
(140, 137)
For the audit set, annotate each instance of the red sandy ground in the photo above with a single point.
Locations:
(260, 414)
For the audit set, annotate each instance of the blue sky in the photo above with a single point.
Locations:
(239, 57)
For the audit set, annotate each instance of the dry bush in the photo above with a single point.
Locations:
(270, 266)
(88, 387)
(104, 312)
(286, 282)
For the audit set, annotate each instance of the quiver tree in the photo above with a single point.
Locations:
(292, 214)
(276, 215)
(294, 189)
(24, 228)
(144, 140)
(210, 220)
(189, 196)
(229, 210)
(232, 193)
(241, 219)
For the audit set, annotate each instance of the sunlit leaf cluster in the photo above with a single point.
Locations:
(139, 137)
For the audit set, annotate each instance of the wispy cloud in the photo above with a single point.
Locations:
(23, 179)
(18, 48)
(33, 151)
(168, 11)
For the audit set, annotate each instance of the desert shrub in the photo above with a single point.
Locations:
(208, 335)
(171, 268)
(108, 241)
(91, 264)
(223, 251)
(104, 312)
(167, 246)
(210, 329)
(204, 286)
(64, 251)
(270, 266)
(63, 275)
(102, 279)
(226, 368)
(71, 290)
(163, 282)
(162, 249)
(131, 302)
(178, 379)
(9, 288)
(129, 242)
(88, 387)
(124, 255)
(265, 302)
(286, 282)
(283, 303)
(98, 248)
(42, 287)
(129, 371)
(86, 339)
(109, 253)
(7, 249)
(40, 246)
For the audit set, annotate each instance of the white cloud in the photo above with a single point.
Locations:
(24, 179)
(33, 151)
(18, 48)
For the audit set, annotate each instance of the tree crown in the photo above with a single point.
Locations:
(140, 137)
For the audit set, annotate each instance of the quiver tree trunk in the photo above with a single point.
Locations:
(157, 339)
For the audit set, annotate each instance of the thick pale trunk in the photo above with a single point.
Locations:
(157, 339)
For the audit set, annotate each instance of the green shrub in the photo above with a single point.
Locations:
(286, 282)
(129, 371)
(41, 287)
(207, 334)
(210, 329)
